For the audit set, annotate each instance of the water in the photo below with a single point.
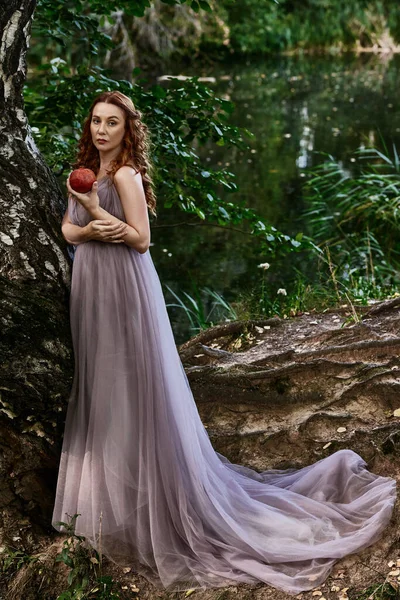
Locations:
(296, 106)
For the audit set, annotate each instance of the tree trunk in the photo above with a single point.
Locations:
(35, 349)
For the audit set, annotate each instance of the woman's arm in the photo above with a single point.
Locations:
(131, 192)
(103, 231)
(73, 234)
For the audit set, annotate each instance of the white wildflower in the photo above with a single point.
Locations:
(264, 266)
(282, 291)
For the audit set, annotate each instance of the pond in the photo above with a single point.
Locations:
(296, 106)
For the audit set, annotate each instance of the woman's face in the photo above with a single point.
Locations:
(107, 127)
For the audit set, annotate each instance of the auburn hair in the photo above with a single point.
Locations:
(135, 145)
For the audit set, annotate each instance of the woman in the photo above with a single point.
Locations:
(137, 463)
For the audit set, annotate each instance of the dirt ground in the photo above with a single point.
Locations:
(284, 393)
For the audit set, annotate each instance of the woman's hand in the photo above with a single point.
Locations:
(106, 231)
(89, 201)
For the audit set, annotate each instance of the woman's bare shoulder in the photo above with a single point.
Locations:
(125, 173)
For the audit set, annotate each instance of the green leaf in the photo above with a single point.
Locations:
(65, 596)
(159, 91)
(204, 5)
(224, 213)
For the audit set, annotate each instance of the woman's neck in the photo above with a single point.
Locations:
(106, 159)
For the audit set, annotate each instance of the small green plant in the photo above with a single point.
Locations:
(34, 567)
(86, 579)
(12, 560)
(381, 591)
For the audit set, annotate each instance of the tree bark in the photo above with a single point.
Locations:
(35, 349)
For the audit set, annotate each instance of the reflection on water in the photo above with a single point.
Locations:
(294, 106)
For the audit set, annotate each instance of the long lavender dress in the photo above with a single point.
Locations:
(138, 465)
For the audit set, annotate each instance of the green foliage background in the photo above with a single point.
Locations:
(262, 26)
(180, 115)
(70, 44)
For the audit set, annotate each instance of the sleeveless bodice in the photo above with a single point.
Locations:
(108, 199)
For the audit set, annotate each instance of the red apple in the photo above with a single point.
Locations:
(81, 180)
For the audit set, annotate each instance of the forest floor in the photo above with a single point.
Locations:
(282, 393)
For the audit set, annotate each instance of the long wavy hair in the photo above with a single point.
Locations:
(135, 145)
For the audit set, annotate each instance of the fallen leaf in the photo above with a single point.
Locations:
(126, 569)
(391, 563)
(395, 573)
(396, 413)
(317, 593)
(190, 592)
(335, 588)
(341, 429)
(326, 446)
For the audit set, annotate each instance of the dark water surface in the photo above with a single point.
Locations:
(294, 106)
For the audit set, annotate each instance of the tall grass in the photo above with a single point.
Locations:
(354, 216)
(195, 308)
